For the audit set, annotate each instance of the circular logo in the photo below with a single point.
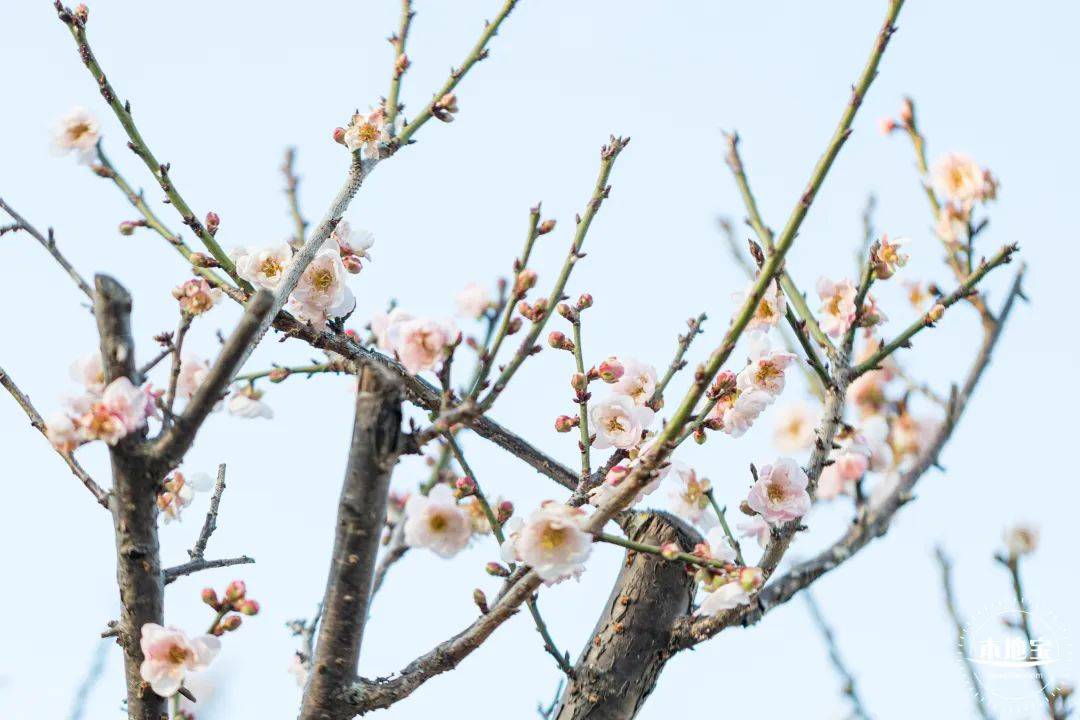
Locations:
(1018, 656)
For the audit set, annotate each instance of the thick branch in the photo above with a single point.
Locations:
(628, 648)
(376, 444)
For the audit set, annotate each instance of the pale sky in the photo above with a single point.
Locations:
(220, 89)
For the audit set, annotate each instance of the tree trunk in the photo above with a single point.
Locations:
(629, 646)
(376, 444)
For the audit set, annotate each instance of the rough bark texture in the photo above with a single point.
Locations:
(376, 444)
(138, 563)
(629, 646)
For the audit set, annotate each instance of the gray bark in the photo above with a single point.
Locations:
(628, 648)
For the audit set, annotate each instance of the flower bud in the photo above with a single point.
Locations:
(935, 313)
(231, 623)
(579, 381)
(401, 64)
(480, 599)
(445, 107)
(565, 423)
(525, 281)
(907, 112)
(496, 570)
(102, 171)
(559, 341)
(339, 135)
(610, 370)
(279, 374)
(212, 222)
(81, 13)
(128, 227)
(584, 301)
(202, 260)
(248, 607)
(352, 263)
(545, 227)
(235, 591)
(699, 436)
(1021, 540)
(514, 326)
(670, 550)
(465, 486)
(886, 125)
(750, 578)
(567, 312)
(210, 597)
(724, 384)
(504, 511)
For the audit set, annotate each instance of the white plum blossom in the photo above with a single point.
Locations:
(726, 597)
(62, 432)
(619, 422)
(719, 546)
(381, 325)
(765, 371)
(177, 495)
(779, 494)
(689, 498)
(638, 381)
(757, 528)
(795, 426)
(366, 132)
(473, 301)
(247, 403)
(769, 311)
(552, 541)
(737, 417)
(1021, 539)
(90, 372)
(322, 291)
(263, 267)
(961, 181)
(169, 655)
(122, 409)
(353, 241)
(436, 521)
(888, 258)
(77, 132)
(192, 374)
(838, 305)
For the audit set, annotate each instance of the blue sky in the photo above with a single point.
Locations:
(220, 89)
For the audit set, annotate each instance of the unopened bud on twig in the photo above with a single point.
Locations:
(202, 260)
(545, 227)
(559, 341)
(465, 486)
(235, 591)
(480, 599)
(213, 221)
(339, 135)
(81, 13)
(565, 423)
(584, 301)
(210, 597)
(610, 370)
(525, 281)
(496, 570)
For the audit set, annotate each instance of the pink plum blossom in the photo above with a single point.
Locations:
(436, 521)
(779, 494)
(196, 296)
(419, 342)
(62, 432)
(795, 426)
(770, 309)
(192, 373)
(551, 541)
(619, 422)
(122, 409)
(719, 546)
(837, 310)
(169, 655)
(381, 325)
(960, 180)
(765, 371)
(757, 528)
(90, 372)
(365, 132)
(738, 412)
(888, 258)
(689, 499)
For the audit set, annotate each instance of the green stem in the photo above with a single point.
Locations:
(583, 405)
(656, 550)
(392, 97)
(721, 514)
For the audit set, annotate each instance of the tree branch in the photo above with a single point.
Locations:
(857, 709)
(49, 243)
(961, 636)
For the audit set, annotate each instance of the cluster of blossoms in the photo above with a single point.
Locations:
(195, 296)
(961, 183)
(621, 419)
(103, 412)
(741, 398)
(418, 343)
(322, 292)
(725, 588)
(179, 490)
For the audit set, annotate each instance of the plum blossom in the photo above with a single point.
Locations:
(769, 311)
(795, 427)
(192, 373)
(435, 521)
(196, 296)
(765, 371)
(365, 132)
(733, 593)
(321, 292)
(638, 381)
(689, 497)
(247, 403)
(419, 342)
(177, 494)
(951, 225)
(353, 245)
(381, 323)
(77, 132)
(264, 267)
(552, 541)
(619, 422)
(838, 305)
(122, 409)
(720, 548)
(779, 494)
(62, 432)
(473, 301)
(961, 181)
(757, 528)
(90, 372)
(735, 413)
(169, 655)
(831, 485)
(888, 258)
(1021, 540)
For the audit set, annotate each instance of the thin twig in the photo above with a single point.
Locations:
(210, 523)
(38, 423)
(177, 363)
(401, 63)
(49, 243)
(292, 183)
(961, 635)
(1045, 685)
(193, 566)
(857, 708)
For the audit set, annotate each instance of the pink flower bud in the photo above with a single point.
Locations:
(496, 570)
(352, 263)
(212, 222)
(559, 341)
(565, 423)
(210, 597)
(504, 511)
(611, 370)
(235, 591)
(670, 550)
(907, 112)
(566, 311)
(202, 260)
(545, 227)
(480, 599)
(886, 125)
(524, 282)
(579, 381)
(584, 301)
(723, 384)
(514, 326)
(81, 13)
(278, 374)
(339, 135)
(231, 623)
(465, 486)
(751, 578)
(128, 227)
(248, 607)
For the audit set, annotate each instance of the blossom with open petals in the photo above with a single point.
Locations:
(247, 403)
(765, 371)
(733, 593)
(383, 323)
(192, 373)
(322, 292)
(62, 432)
(169, 655)
(89, 371)
(196, 296)
(795, 426)
(837, 310)
(366, 132)
(551, 541)
(473, 301)
(263, 267)
(770, 309)
(77, 132)
(637, 382)
(961, 181)
(619, 422)
(689, 497)
(420, 342)
(735, 413)
(757, 528)
(436, 521)
(122, 409)
(888, 258)
(779, 494)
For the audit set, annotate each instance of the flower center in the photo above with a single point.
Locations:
(615, 425)
(76, 131)
(764, 311)
(437, 523)
(367, 133)
(552, 538)
(767, 372)
(776, 493)
(270, 267)
(322, 279)
(177, 655)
